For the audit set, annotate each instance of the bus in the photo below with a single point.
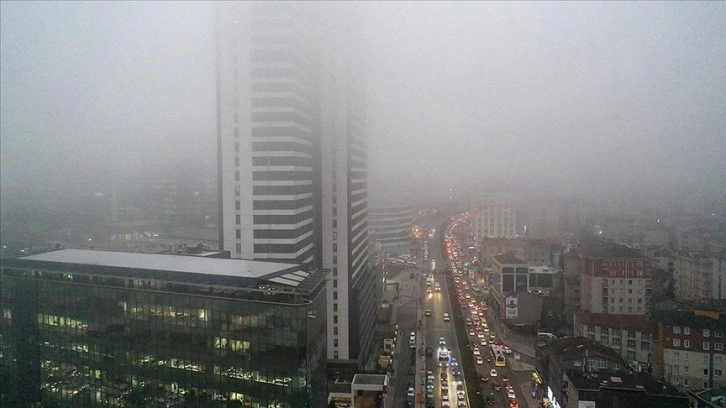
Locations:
(498, 355)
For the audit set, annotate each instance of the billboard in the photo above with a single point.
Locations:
(511, 307)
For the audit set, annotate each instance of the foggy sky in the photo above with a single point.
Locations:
(590, 98)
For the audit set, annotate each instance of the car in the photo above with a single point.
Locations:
(489, 359)
(471, 332)
(496, 386)
(444, 376)
(491, 338)
(442, 341)
(446, 317)
(483, 343)
(430, 375)
(412, 370)
(445, 400)
(411, 392)
(492, 373)
(511, 394)
(505, 378)
(490, 399)
(476, 351)
(428, 312)
(513, 404)
(484, 378)
(481, 335)
(479, 361)
(507, 350)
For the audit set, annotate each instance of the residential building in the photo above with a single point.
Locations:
(690, 344)
(615, 298)
(577, 371)
(699, 276)
(97, 328)
(494, 216)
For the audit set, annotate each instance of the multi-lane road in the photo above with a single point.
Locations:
(422, 309)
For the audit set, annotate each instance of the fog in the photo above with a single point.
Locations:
(583, 99)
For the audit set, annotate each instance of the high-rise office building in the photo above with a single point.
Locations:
(267, 131)
(87, 328)
(292, 154)
(351, 294)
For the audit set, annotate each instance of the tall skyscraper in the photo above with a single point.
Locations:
(292, 154)
(351, 295)
(267, 131)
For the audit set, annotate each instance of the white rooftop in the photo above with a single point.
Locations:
(290, 273)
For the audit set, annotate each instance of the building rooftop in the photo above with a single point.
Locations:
(622, 321)
(173, 268)
(172, 263)
(370, 379)
(571, 348)
(509, 259)
(630, 382)
(604, 249)
(715, 397)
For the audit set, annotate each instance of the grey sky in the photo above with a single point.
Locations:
(593, 96)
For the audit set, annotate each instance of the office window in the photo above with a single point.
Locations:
(335, 319)
(631, 343)
(686, 344)
(236, 205)
(717, 372)
(644, 345)
(335, 295)
(238, 234)
(706, 333)
(335, 331)
(238, 247)
(676, 329)
(335, 283)
(604, 339)
(718, 333)
(676, 342)
(335, 307)
(335, 247)
(706, 345)
(335, 342)
(236, 176)
(237, 219)
(686, 330)
(718, 346)
(335, 271)
(705, 371)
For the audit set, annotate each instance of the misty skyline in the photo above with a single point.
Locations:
(583, 98)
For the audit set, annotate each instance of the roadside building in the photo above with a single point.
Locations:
(615, 298)
(98, 328)
(690, 344)
(578, 371)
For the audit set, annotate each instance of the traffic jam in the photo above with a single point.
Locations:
(489, 354)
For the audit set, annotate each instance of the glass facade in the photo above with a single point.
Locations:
(92, 336)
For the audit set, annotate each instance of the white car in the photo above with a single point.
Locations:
(476, 351)
(479, 361)
(446, 317)
(492, 373)
(411, 392)
(511, 394)
(442, 341)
